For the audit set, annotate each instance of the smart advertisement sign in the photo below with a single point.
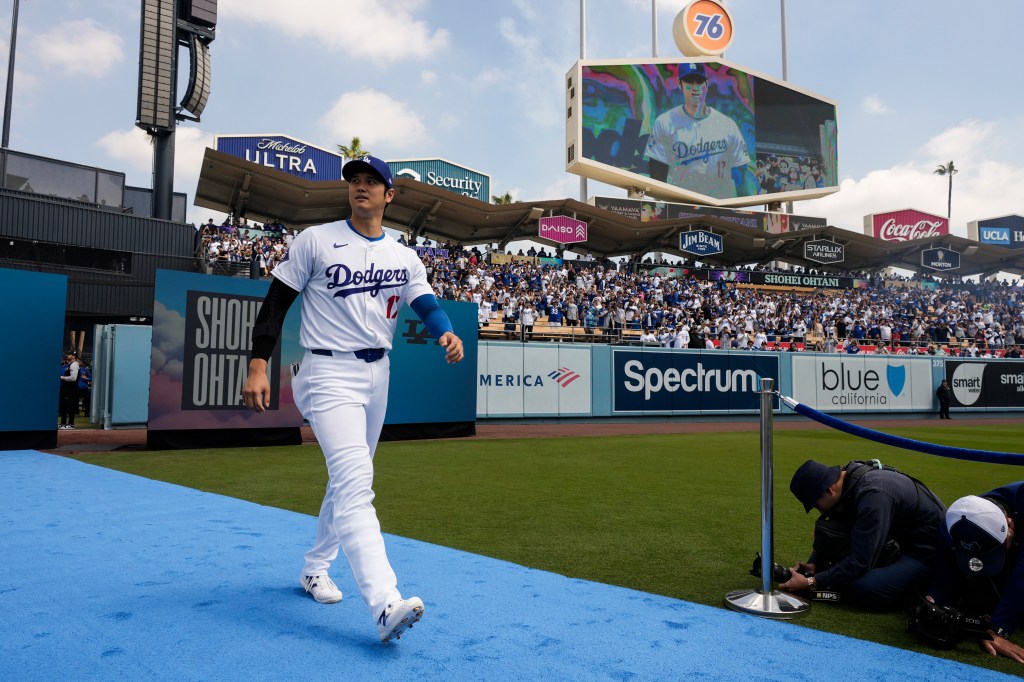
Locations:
(1005, 231)
(845, 383)
(669, 382)
(284, 153)
(445, 174)
(701, 242)
(986, 385)
(703, 131)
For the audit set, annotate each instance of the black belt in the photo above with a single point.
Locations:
(367, 354)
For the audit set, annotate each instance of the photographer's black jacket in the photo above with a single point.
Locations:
(884, 504)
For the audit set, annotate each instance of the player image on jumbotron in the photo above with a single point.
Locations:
(698, 147)
(705, 132)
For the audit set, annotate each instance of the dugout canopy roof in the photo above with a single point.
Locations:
(242, 188)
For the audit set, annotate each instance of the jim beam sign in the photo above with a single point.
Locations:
(700, 242)
(940, 259)
(824, 251)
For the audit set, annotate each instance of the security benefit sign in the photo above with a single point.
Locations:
(202, 326)
(940, 259)
(998, 384)
(701, 242)
(218, 331)
(824, 251)
(530, 380)
(669, 382)
(863, 383)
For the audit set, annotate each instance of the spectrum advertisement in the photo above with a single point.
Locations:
(840, 383)
(670, 382)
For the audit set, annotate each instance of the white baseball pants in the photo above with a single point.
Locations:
(344, 399)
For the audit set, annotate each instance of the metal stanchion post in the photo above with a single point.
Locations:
(766, 601)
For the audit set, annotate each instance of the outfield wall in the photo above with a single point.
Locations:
(516, 380)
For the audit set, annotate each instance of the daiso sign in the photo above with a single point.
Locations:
(562, 229)
(905, 225)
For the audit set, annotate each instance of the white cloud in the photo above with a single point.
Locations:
(79, 48)
(132, 148)
(983, 188)
(873, 104)
(526, 8)
(428, 77)
(381, 30)
(383, 124)
(490, 75)
(537, 76)
(963, 143)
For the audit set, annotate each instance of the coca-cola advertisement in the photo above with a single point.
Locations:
(905, 225)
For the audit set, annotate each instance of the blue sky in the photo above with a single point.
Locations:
(918, 82)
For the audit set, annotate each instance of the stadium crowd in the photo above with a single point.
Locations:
(895, 314)
(236, 246)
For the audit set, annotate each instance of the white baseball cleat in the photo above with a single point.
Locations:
(321, 587)
(399, 616)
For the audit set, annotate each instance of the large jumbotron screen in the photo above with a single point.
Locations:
(707, 132)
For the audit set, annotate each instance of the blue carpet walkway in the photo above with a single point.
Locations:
(109, 576)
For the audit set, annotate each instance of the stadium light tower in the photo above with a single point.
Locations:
(4, 143)
(166, 25)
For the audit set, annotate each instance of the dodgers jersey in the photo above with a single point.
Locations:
(700, 153)
(352, 286)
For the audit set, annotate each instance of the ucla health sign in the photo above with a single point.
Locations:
(445, 174)
(670, 382)
(700, 242)
(285, 154)
(846, 383)
(1005, 231)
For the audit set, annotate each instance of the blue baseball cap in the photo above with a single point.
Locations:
(691, 70)
(368, 164)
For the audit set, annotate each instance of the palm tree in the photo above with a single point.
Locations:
(950, 170)
(354, 150)
(504, 199)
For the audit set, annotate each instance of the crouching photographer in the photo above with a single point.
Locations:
(978, 589)
(877, 537)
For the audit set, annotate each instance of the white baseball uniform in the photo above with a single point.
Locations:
(352, 289)
(700, 153)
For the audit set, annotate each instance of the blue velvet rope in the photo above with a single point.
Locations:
(905, 443)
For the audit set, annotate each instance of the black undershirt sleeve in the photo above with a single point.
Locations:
(270, 319)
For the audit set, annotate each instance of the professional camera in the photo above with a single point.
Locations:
(780, 573)
(944, 626)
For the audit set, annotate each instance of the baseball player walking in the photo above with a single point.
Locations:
(354, 279)
(696, 147)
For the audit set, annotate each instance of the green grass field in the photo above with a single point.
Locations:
(674, 515)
